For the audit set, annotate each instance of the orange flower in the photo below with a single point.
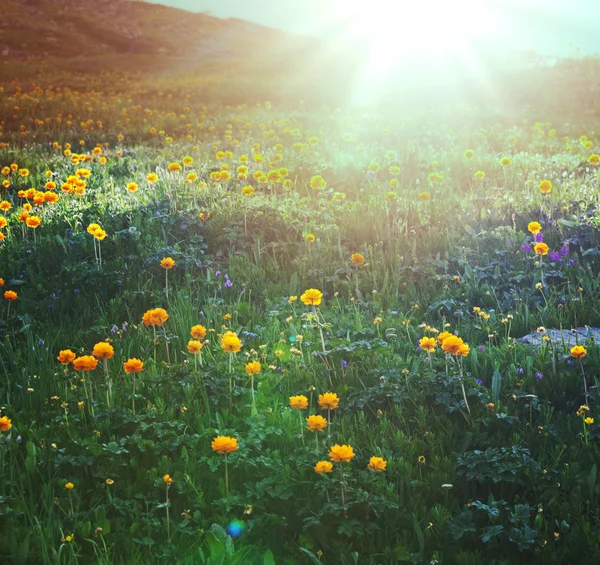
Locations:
(299, 402)
(358, 258)
(103, 350)
(579, 352)
(454, 345)
(340, 453)
(541, 248)
(33, 221)
(155, 317)
(1, 281)
(224, 444)
(3, 222)
(66, 356)
(323, 467)
(152, 177)
(10, 295)
(85, 363)
(5, 424)
(194, 346)
(133, 365)
(167, 479)
(230, 342)
(132, 187)
(377, 464)
(174, 168)
(314, 423)
(198, 332)
(167, 263)
(328, 400)
(545, 187)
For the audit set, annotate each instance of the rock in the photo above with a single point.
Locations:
(563, 339)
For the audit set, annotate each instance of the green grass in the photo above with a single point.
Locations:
(487, 461)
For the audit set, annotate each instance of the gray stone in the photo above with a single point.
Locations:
(563, 339)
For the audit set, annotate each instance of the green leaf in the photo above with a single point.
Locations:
(496, 386)
(269, 558)
(311, 555)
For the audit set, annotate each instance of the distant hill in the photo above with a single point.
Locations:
(88, 28)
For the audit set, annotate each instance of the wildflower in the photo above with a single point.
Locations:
(454, 345)
(5, 424)
(594, 159)
(248, 190)
(310, 238)
(424, 197)
(167, 479)
(132, 187)
(33, 221)
(230, 342)
(299, 402)
(133, 365)
(545, 187)
(103, 350)
(340, 453)
(541, 248)
(427, 344)
(578, 352)
(323, 467)
(10, 295)
(198, 332)
(421, 460)
(253, 368)
(174, 168)
(377, 464)
(152, 178)
(155, 317)
(194, 346)
(554, 256)
(506, 161)
(538, 237)
(167, 263)
(69, 486)
(441, 337)
(317, 182)
(109, 482)
(479, 175)
(589, 421)
(358, 258)
(85, 363)
(329, 400)
(315, 423)
(312, 297)
(224, 444)
(534, 227)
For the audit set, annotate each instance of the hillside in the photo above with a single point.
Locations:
(83, 28)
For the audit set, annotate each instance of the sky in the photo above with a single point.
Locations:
(551, 27)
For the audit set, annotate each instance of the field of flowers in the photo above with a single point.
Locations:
(254, 334)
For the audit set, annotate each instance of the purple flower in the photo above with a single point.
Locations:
(76, 291)
(227, 284)
(520, 370)
(344, 363)
(569, 362)
(554, 256)
(479, 382)
(538, 237)
(124, 327)
(41, 342)
(564, 250)
(526, 248)
(217, 273)
(539, 376)
(114, 329)
(571, 262)
(481, 348)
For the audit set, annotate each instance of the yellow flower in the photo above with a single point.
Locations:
(377, 464)
(253, 368)
(427, 344)
(109, 482)
(329, 400)
(589, 421)
(69, 486)
(545, 187)
(198, 332)
(424, 197)
(310, 238)
(541, 248)
(230, 342)
(174, 168)
(299, 402)
(579, 352)
(5, 424)
(167, 263)
(340, 453)
(594, 159)
(224, 444)
(506, 161)
(33, 221)
(454, 345)
(152, 178)
(534, 227)
(315, 423)
(103, 350)
(155, 317)
(132, 187)
(167, 479)
(469, 154)
(479, 175)
(441, 337)
(248, 190)
(312, 297)
(323, 467)
(317, 182)
(133, 365)
(10, 295)
(194, 346)
(358, 258)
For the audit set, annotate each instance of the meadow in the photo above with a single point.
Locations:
(286, 332)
